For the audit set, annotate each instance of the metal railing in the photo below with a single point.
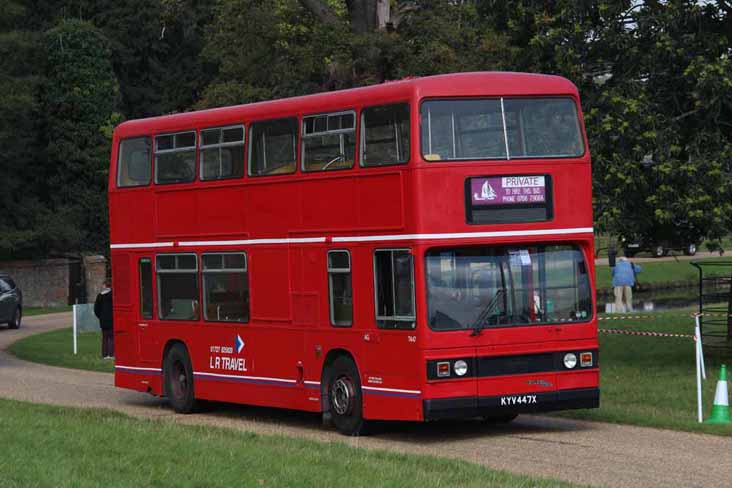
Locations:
(715, 303)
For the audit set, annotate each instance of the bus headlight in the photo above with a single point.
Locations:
(570, 360)
(460, 367)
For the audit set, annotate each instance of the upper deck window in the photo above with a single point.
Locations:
(175, 157)
(328, 141)
(385, 135)
(133, 162)
(273, 147)
(222, 153)
(500, 128)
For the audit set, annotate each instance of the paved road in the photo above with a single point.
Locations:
(583, 452)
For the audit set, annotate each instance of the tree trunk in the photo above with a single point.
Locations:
(383, 13)
(363, 15)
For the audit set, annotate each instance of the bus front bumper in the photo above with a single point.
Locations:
(486, 406)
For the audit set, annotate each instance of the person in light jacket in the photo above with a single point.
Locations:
(103, 311)
(623, 280)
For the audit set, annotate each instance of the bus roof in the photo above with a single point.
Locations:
(455, 85)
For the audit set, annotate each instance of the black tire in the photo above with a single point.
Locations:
(178, 378)
(345, 397)
(17, 319)
(659, 252)
(501, 418)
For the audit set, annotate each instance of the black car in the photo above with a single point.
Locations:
(11, 302)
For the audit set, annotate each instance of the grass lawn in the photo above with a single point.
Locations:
(29, 311)
(651, 381)
(54, 446)
(665, 272)
(56, 348)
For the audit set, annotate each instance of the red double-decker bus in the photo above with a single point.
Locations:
(416, 250)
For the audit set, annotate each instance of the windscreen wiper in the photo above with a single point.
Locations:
(483, 316)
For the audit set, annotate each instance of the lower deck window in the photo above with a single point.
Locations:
(480, 287)
(177, 286)
(394, 288)
(146, 290)
(225, 287)
(339, 287)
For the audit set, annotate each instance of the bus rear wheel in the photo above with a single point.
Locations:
(178, 377)
(345, 397)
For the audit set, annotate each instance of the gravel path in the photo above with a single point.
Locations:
(590, 453)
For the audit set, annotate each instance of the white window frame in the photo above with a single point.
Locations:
(341, 133)
(176, 270)
(223, 270)
(174, 149)
(220, 145)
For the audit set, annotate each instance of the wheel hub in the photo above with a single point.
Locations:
(179, 383)
(342, 394)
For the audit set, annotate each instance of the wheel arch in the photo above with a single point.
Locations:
(330, 358)
(168, 346)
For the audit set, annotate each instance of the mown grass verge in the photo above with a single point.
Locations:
(66, 447)
(30, 311)
(651, 381)
(56, 348)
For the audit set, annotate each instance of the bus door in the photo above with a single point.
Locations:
(143, 327)
(392, 370)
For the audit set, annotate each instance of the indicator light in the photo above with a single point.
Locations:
(586, 359)
(443, 369)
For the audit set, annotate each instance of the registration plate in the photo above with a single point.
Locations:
(518, 400)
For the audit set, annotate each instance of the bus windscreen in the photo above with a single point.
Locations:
(496, 286)
(500, 128)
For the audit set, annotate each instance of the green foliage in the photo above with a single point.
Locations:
(655, 79)
(79, 97)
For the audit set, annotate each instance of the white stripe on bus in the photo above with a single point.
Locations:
(255, 378)
(371, 238)
(394, 390)
(136, 368)
(464, 235)
(141, 245)
(292, 240)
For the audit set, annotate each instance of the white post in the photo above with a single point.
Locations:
(699, 367)
(74, 309)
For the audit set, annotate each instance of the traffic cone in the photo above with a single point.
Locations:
(720, 410)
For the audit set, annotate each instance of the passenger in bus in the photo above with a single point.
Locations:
(103, 311)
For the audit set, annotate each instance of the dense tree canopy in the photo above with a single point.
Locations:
(655, 78)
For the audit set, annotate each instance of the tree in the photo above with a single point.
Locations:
(23, 210)
(659, 127)
(79, 97)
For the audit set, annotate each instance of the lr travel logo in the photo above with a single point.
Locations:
(222, 357)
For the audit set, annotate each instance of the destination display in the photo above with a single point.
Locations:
(508, 198)
(508, 190)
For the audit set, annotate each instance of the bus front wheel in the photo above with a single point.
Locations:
(345, 397)
(178, 374)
